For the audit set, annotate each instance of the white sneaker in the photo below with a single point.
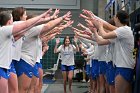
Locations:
(83, 80)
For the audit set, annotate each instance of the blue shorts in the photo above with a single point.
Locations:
(95, 69)
(126, 73)
(102, 67)
(23, 67)
(39, 65)
(110, 73)
(88, 70)
(35, 70)
(12, 69)
(67, 68)
(4, 73)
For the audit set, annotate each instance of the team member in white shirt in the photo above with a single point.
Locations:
(7, 32)
(122, 37)
(67, 51)
(19, 16)
(24, 68)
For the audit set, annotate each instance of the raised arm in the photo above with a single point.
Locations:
(50, 25)
(24, 25)
(55, 48)
(88, 15)
(45, 49)
(75, 41)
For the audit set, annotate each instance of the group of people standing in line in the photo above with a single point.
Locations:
(109, 50)
(23, 42)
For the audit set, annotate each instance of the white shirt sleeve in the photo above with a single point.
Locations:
(35, 31)
(121, 32)
(59, 48)
(112, 40)
(6, 30)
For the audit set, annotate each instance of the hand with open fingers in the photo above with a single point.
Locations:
(48, 12)
(93, 29)
(98, 24)
(88, 13)
(75, 29)
(89, 23)
(55, 14)
(57, 40)
(67, 16)
(69, 23)
(80, 25)
(84, 16)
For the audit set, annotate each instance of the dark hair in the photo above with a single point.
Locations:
(111, 21)
(67, 37)
(123, 17)
(17, 13)
(29, 16)
(5, 16)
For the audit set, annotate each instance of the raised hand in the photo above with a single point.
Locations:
(48, 12)
(88, 13)
(84, 16)
(69, 24)
(55, 14)
(67, 16)
(75, 29)
(89, 23)
(80, 25)
(57, 41)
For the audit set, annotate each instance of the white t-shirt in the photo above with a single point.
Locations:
(90, 49)
(67, 54)
(30, 45)
(17, 46)
(39, 49)
(6, 42)
(110, 51)
(123, 47)
(102, 52)
(95, 51)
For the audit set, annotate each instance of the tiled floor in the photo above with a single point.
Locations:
(57, 87)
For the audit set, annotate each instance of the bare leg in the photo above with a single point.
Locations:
(70, 76)
(102, 83)
(33, 84)
(106, 88)
(112, 88)
(13, 83)
(64, 73)
(94, 88)
(40, 82)
(91, 84)
(24, 83)
(121, 85)
(3, 85)
(98, 85)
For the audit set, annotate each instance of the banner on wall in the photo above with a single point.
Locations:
(41, 4)
(109, 4)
